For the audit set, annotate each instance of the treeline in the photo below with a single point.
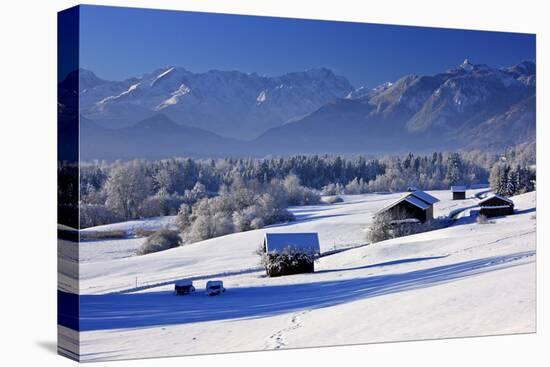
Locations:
(510, 180)
(120, 191)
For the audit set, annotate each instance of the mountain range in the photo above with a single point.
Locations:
(174, 112)
(229, 103)
(467, 107)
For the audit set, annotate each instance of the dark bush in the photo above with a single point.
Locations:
(385, 227)
(102, 235)
(161, 240)
(142, 232)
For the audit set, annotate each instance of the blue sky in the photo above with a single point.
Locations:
(117, 43)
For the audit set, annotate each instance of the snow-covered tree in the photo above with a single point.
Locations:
(183, 218)
(454, 170)
(161, 240)
(127, 187)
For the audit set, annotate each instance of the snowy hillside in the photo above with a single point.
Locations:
(467, 279)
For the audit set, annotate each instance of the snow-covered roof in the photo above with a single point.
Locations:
(419, 199)
(458, 188)
(301, 241)
(184, 283)
(498, 197)
(425, 197)
(212, 283)
(417, 202)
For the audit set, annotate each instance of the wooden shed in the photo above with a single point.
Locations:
(459, 192)
(496, 206)
(290, 253)
(413, 205)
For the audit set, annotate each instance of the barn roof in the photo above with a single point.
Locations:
(500, 197)
(417, 202)
(184, 283)
(419, 199)
(296, 241)
(458, 188)
(424, 196)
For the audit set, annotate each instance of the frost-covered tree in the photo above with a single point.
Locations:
(332, 189)
(357, 186)
(161, 204)
(380, 228)
(505, 180)
(95, 214)
(498, 180)
(197, 193)
(205, 227)
(127, 187)
(183, 218)
(454, 170)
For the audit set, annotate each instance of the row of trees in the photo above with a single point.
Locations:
(512, 180)
(118, 191)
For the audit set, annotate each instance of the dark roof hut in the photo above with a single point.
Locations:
(290, 253)
(459, 192)
(496, 206)
(417, 205)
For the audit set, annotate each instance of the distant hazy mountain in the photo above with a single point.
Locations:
(156, 137)
(228, 103)
(471, 106)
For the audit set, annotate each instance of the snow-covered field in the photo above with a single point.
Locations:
(467, 279)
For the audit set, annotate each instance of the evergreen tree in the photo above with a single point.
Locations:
(454, 173)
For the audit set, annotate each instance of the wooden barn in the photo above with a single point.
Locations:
(496, 206)
(459, 192)
(416, 205)
(290, 253)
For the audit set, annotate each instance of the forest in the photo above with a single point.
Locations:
(213, 197)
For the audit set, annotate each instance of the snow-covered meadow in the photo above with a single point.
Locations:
(463, 280)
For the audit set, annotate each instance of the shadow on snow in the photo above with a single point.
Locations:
(393, 262)
(134, 310)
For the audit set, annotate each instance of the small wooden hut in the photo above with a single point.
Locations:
(290, 253)
(496, 206)
(459, 192)
(416, 205)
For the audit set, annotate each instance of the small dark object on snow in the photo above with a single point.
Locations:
(214, 287)
(289, 253)
(183, 287)
(459, 192)
(412, 205)
(496, 206)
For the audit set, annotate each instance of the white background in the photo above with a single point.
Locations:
(28, 181)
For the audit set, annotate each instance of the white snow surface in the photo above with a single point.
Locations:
(463, 280)
(122, 94)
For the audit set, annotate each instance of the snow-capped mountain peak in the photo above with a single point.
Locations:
(466, 65)
(363, 91)
(230, 103)
(162, 75)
